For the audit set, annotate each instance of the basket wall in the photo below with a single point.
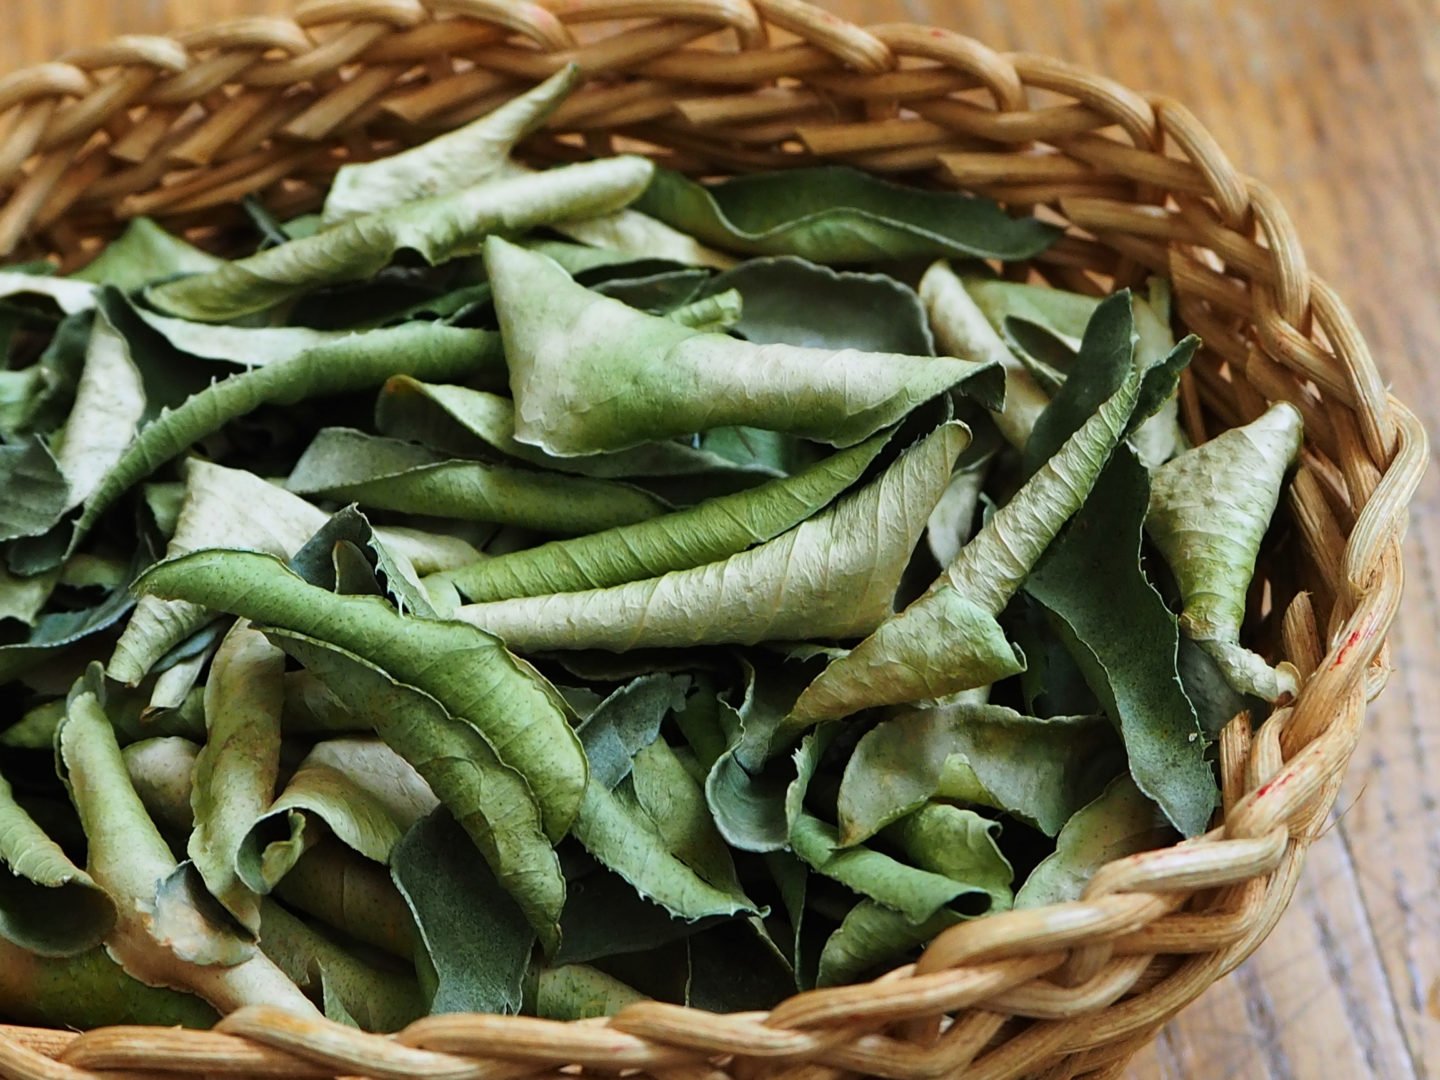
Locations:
(180, 128)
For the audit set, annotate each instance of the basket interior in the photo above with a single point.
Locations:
(181, 129)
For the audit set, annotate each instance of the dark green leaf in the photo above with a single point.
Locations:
(477, 938)
(834, 214)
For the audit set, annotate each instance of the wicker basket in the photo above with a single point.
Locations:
(180, 128)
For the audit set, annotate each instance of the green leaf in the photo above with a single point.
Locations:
(1039, 770)
(221, 506)
(961, 329)
(143, 253)
(675, 804)
(475, 936)
(365, 793)
(735, 967)
(69, 295)
(1119, 822)
(605, 917)
(130, 861)
(248, 346)
(871, 935)
(580, 992)
(499, 810)
(626, 722)
(792, 301)
(388, 572)
(1058, 312)
(961, 845)
(437, 228)
(36, 492)
(388, 474)
(353, 991)
(569, 349)
(708, 532)
(24, 598)
(948, 640)
(236, 770)
(458, 159)
(48, 905)
(56, 631)
(1104, 362)
(745, 788)
(1125, 641)
(615, 829)
(89, 990)
(161, 770)
(713, 314)
(353, 894)
(620, 830)
(109, 405)
(951, 524)
(475, 423)
(425, 350)
(915, 894)
(631, 233)
(468, 671)
(834, 575)
(1209, 509)
(835, 214)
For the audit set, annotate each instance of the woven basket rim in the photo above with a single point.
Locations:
(179, 127)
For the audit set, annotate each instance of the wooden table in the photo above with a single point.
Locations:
(1336, 104)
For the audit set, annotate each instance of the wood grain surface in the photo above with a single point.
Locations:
(1336, 104)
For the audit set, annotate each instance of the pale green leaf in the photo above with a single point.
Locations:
(236, 770)
(69, 295)
(130, 861)
(1040, 770)
(872, 935)
(368, 996)
(425, 350)
(833, 576)
(450, 162)
(88, 991)
(617, 827)
(708, 532)
(437, 228)
(1119, 822)
(580, 992)
(468, 671)
(387, 474)
(221, 506)
(459, 420)
(143, 253)
(48, 905)
(161, 770)
(365, 793)
(109, 405)
(248, 346)
(948, 640)
(836, 214)
(961, 329)
(675, 803)
(569, 349)
(354, 895)
(963, 846)
(1209, 509)
(492, 801)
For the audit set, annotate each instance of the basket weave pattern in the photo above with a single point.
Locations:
(180, 128)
